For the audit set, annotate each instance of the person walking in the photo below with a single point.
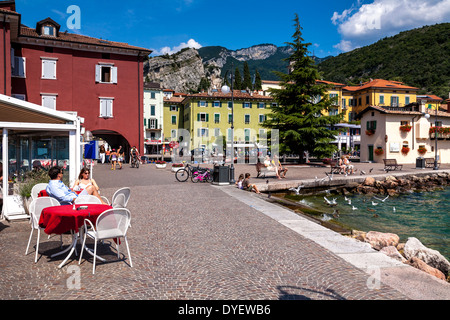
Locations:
(108, 154)
(120, 156)
(113, 157)
(102, 153)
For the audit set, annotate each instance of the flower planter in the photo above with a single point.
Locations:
(405, 128)
(160, 166)
(370, 132)
(379, 152)
(405, 151)
(175, 169)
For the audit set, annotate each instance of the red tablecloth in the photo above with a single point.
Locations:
(43, 193)
(60, 219)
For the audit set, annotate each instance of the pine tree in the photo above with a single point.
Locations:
(302, 110)
(258, 82)
(237, 80)
(247, 83)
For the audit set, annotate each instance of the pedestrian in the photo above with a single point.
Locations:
(120, 156)
(102, 153)
(239, 181)
(108, 154)
(113, 157)
(246, 185)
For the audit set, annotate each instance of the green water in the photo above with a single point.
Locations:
(425, 215)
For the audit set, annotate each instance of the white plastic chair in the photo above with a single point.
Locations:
(87, 198)
(120, 198)
(37, 188)
(36, 207)
(111, 224)
(105, 199)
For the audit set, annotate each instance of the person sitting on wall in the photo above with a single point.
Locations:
(281, 170)
(270, 167)
(58, 190)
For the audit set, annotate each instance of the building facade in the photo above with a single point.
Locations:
(153, 117)
(100, 80)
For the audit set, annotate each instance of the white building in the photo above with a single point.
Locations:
(153, 117)
(398, 133)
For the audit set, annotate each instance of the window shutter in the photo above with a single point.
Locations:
(98, 73)
(145, 122)
(49, 102)
(103, 108)
(20, 66)
(113, 74)
(198, 117)
(48, 69)
(156, 123)
(207, 117)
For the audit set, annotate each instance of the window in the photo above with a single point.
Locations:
(261, 105)
(152, 95)
(246, 105)
(371, 125)
(202, 117)
(381, 99)
(404, 123)
(217, 104)
(48, 30)
(106, 107)
(230, 118)
(19, 96)
(334, 112)
(216, 132)
(216, 117)
(173, 133)
(202, 103)
(344, 103)
(18, 66)
(174, 119)
(247, 119)
(394, 101)
(367, 99)
(173, 108)
(152, 123)
(48, 68)
(407, 100)
(49, 101)
(262, 118)
(202, 132)
(152, 110)
(230, 104)
(105, 73)
(247, 135)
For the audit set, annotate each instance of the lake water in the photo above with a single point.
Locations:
(425, 215)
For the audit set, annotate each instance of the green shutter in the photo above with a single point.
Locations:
(198, 117)
(207, 117)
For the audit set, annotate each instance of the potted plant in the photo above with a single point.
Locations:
(177, 166)
(405, 128)
(379, 151)
(160, 164)
(405, 150)
(422, 150)
(370, 132)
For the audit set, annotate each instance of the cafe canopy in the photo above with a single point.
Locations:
(36, 135)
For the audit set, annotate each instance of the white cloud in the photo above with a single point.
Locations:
(367, 23)
(345, 46)
(167, 50)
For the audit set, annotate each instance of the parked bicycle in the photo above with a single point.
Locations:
(183, 174)
(202, 175)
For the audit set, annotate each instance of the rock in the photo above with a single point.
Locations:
(369, 181)
(378, 240)
(414, 248)
(359, 235)
(419, 264)
(392, 252)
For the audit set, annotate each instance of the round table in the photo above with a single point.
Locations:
(61, 219)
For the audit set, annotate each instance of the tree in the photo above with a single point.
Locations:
(203, 85)
(247, 83)
(237, 80)
(258, 82)
(303, 105)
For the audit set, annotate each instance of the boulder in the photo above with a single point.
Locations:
(379, 240)
(392, 252)
(415, 248)
(419, 264)
(369, 181)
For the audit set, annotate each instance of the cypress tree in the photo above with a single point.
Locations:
(258, 82)
(303, 105)
(247, 83)
(237, 80)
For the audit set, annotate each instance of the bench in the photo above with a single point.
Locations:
(334, 167)
(429, 163)
(261, 169)
(391, 164)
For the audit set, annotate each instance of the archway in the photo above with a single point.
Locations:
(115, 140)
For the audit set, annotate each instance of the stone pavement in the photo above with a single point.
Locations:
(202, 242)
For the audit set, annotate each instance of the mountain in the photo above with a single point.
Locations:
(184, 70)
(418, 57)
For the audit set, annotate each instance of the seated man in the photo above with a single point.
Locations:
(246, 185)
(276, 162)
(58, 190)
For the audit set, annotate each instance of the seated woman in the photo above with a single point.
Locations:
(246, 185)
(276, 162)
(84, 181)
(342, 166)
(270, 167)
(239, 181)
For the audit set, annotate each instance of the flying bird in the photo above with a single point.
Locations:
(393, 209)
(362, 172)
(296, 190)
(331, 203)
(354, 208)
(382, 200)
(370, 171)
(374, 203)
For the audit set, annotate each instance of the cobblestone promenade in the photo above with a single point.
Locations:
(187, 241)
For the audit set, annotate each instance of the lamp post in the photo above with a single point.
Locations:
(226, 90)
(435, 140)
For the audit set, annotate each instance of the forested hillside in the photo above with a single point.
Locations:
(418, 57)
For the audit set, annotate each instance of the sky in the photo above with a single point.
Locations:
(167, 26)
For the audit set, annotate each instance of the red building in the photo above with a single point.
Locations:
(100, 80)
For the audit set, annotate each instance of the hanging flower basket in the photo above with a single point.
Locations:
(405, 128)
(370, 132)
(422, 150)
(379, 151)
(405, 150)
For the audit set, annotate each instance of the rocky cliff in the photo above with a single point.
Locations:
(183, 70)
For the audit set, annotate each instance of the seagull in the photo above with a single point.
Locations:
(362, 172)
(296, 190)
(382, 200)
(331, 203)
(354, 208)
(346, 199)
(393, 209)
(330, 177)
(370, 171)
(374, 203)
(349, 201)
(336, 213)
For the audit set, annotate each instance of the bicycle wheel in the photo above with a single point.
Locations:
(137, 163)
(194, 177)
(209, 177)
(182, 175)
